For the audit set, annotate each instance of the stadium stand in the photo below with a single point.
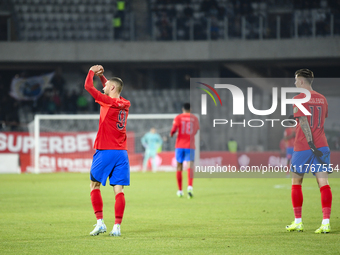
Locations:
(40, 20)
(227, 19)
(75, 20)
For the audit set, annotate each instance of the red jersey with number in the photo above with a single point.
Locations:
(318, 107)
(288, 132)
(112, 121)
(187, 126)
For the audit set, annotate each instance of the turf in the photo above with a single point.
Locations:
(52, 214)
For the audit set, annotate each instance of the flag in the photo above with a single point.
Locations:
(30, 88)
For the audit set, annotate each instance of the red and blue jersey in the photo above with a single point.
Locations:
(318, 107)
(187, 125)
(113, 115)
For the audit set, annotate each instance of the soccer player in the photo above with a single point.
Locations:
(289, 137)
(311, 151)
(111, 158)
(187, 126)
(151, 141)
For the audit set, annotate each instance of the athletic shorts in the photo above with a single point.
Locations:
(150, 153)
(303, 161)
(289, 152)
(184, 155)
(112, 164)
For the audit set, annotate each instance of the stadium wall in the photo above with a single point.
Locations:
(231, 50)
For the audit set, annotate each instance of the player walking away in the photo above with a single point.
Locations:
(151, 141)
(111, 158)
(289, 138)
(187, 126)
(311, 152)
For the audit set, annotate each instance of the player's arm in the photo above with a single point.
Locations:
(98, 96)
(102, 79)
(308, 134)
(160, 140)
(197, 125)
(89, 81)
(174, 128)
(101, 76)
(306, 128)
(89, 85)
(143, 141)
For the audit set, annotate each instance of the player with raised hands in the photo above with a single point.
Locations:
(110, 159)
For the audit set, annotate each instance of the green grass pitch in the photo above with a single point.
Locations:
(52, 214)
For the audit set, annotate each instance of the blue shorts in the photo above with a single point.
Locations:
(303, 161)
(289, 152)
(184, 155)
(113, 164)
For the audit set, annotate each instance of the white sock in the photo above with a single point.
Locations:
(190, 188)
(325, 221)
(100, 221)
(298, 220)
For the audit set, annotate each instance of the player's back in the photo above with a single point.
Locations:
(188, 126)
(112, 126)
(318, 107)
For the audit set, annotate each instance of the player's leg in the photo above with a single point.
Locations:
(179, 154)
(154, 160)
(145, 160)
(119, 177)
(97, 204)
(190, 157)
(119, 209)
(190, 189)
(326, 201)
(98, 176)
(297, 200)
(299, 166)
(179, 179)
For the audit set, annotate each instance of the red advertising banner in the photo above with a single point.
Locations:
(54, 143)
(73, 151)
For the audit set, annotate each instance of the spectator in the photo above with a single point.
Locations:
(207, 5)
(56, 99)
(82, 103)
(72, 102)
(214, 28)
(12, 115)
(188, 11)
(118, 20)
(58, 82)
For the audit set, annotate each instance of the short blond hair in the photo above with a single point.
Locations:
(119, 82)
